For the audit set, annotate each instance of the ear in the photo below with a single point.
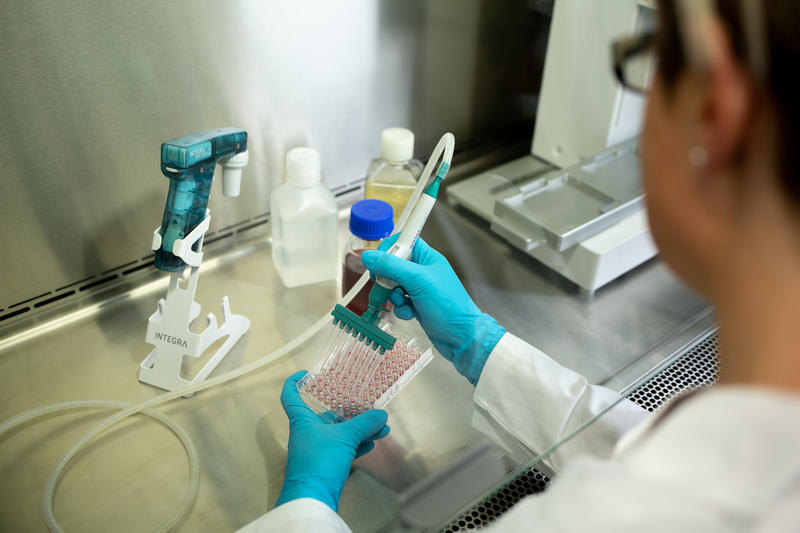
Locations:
(727, 105)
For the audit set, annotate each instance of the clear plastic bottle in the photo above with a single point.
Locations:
(370, 222)
(393, 176)
(303, 218)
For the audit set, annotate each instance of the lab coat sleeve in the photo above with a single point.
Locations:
(298, 516)
(527, 402)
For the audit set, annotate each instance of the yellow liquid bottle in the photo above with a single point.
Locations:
(393, 176)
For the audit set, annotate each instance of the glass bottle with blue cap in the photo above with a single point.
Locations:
(370, 222)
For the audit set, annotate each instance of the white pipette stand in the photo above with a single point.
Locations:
(168, 327)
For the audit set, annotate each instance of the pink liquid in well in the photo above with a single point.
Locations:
(347, 386)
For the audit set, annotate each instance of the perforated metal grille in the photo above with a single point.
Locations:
(697, 368)
(530, 482)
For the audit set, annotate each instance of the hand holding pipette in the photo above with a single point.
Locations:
(430, 291)
(403, 245)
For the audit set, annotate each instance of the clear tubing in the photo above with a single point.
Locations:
(444, 149)
(183, 437)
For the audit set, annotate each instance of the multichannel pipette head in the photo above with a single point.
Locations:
(189, 164)
(367, 333)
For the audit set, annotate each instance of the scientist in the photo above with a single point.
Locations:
(722, 174)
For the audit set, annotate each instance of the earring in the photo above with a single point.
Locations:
(698, 157)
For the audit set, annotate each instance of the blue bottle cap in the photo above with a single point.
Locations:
(371, 219)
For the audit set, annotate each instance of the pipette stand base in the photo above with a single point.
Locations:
(168, 328)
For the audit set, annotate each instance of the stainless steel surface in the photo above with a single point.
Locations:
(441, 495)
(90, 90)
(664, 353)
(134, 477)
(598, 336)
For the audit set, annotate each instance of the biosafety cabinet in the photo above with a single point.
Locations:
(546, 157)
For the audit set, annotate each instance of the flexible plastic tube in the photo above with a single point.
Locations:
(183, 437)
(444, 150)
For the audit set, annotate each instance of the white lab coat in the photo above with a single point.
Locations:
(727, 459)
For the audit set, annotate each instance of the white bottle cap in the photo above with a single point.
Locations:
(303, 167)
(232, 173)
(397, 144)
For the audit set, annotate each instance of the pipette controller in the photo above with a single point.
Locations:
(189, 164)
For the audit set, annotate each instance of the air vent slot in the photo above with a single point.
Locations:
(53, 299)
(98, 282)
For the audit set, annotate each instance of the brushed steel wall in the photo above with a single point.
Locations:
(90, 89)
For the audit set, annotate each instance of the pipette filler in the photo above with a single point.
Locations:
(189, 164)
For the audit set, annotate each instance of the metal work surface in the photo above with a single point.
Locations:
(597, 336)
(134, 477)
(90, 91)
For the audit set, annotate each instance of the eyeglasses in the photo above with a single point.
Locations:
(634, 57)
(634, 60)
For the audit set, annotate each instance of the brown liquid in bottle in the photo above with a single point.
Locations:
(353, 268)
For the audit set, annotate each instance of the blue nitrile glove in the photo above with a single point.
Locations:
(430, 291)
(320, 451)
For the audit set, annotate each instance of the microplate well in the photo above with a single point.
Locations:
(351, 378)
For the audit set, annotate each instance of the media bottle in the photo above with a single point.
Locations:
(393, 176)
(370, 222)
(303, 221)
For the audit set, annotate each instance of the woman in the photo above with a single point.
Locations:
(722, 175)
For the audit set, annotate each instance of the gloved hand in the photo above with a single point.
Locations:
(430, 291)
(320, 451)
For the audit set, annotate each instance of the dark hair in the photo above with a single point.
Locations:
(782, 82)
